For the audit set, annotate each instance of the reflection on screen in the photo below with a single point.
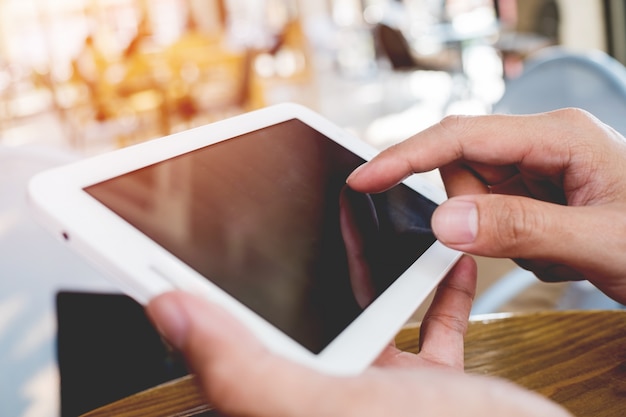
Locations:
(268, 218)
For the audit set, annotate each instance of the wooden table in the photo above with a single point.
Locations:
(577, 359)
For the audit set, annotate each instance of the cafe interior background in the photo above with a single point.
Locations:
(94, 75)
(82, 77)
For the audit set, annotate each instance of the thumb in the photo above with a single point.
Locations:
(231, 364)
(516, 227)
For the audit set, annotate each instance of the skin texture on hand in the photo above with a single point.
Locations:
(547, 190)
(242, 378)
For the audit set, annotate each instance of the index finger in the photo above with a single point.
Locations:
(539, 142)
(443, 328)
(445, 323)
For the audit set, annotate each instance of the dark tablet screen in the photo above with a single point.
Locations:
(267, 217)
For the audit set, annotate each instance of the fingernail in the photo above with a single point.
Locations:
(170, 319)
(456, 221)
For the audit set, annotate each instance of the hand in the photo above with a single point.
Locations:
(241, 378)
(548, 190)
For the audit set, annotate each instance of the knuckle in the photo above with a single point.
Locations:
(460, 290)
(577, 118)
(580, 122)
(456, 124)
(517, 226)
(575, 114)
(447, 321)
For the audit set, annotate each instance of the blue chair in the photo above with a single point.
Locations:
(556, 78)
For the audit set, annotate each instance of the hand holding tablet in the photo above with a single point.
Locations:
(253, 213)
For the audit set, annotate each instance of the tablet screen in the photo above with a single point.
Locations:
(268, 218)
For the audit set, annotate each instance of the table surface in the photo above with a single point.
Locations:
(576, 358)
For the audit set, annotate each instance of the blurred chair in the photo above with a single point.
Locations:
(396, 47)
(208, 81)
(555, 78)
(393, 45)
(532, 26)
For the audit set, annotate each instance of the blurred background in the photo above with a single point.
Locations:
(81, 77)
(94, 75)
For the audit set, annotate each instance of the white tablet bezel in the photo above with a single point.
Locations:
(143, 269)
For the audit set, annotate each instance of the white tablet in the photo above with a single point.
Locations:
(253, 213)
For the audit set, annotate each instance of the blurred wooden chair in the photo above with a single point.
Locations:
(576, 358)
(285, 71)
(208, 80)
(396, 47)
(151, 90)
